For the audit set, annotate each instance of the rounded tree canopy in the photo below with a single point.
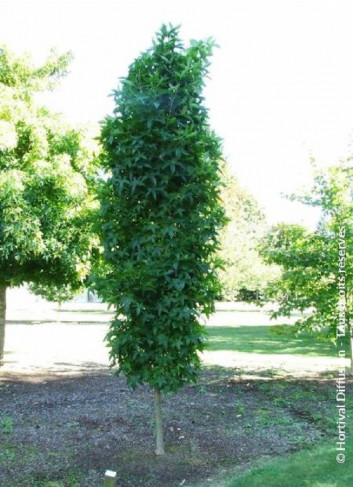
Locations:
(46, 181)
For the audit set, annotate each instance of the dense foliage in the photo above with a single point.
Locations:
(46, 187)
(317, 265)
(46, 182)
(161, 214)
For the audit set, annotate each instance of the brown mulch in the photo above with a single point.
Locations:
(68, 430)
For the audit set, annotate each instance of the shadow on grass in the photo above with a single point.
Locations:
(268, 339)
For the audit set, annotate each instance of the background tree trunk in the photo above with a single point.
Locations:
(350, 340)
(2, 320)
(349, 331)
(158, 420)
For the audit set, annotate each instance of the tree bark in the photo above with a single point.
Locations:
(350, 342)
(350, 336)
(2, 321)
(158, 422)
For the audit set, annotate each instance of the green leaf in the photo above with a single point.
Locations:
(161, 214)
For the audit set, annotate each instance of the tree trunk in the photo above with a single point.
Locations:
(350, 338)
(158, 420)
(350, 343)
(2, 321)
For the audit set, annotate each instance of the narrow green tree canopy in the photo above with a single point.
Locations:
(161, 213)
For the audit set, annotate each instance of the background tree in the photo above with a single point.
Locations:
(310, 260)
(245, 275)
(160, 217)
(47, 178)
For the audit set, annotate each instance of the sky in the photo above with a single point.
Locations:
(281, 82)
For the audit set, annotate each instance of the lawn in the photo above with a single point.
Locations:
(65, 419)
(270, 340)
(307, 468)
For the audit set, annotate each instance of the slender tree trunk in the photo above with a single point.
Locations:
(158, 421)
(350, 340)
(350, 333)
(2, 321)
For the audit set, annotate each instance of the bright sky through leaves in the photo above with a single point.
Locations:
(280, 88)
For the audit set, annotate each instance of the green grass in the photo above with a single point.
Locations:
(268, 339)
(6, 425)
(315, 468)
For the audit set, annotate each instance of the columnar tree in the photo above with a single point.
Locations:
(317, 266)
(46, 185)
(161, 214)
